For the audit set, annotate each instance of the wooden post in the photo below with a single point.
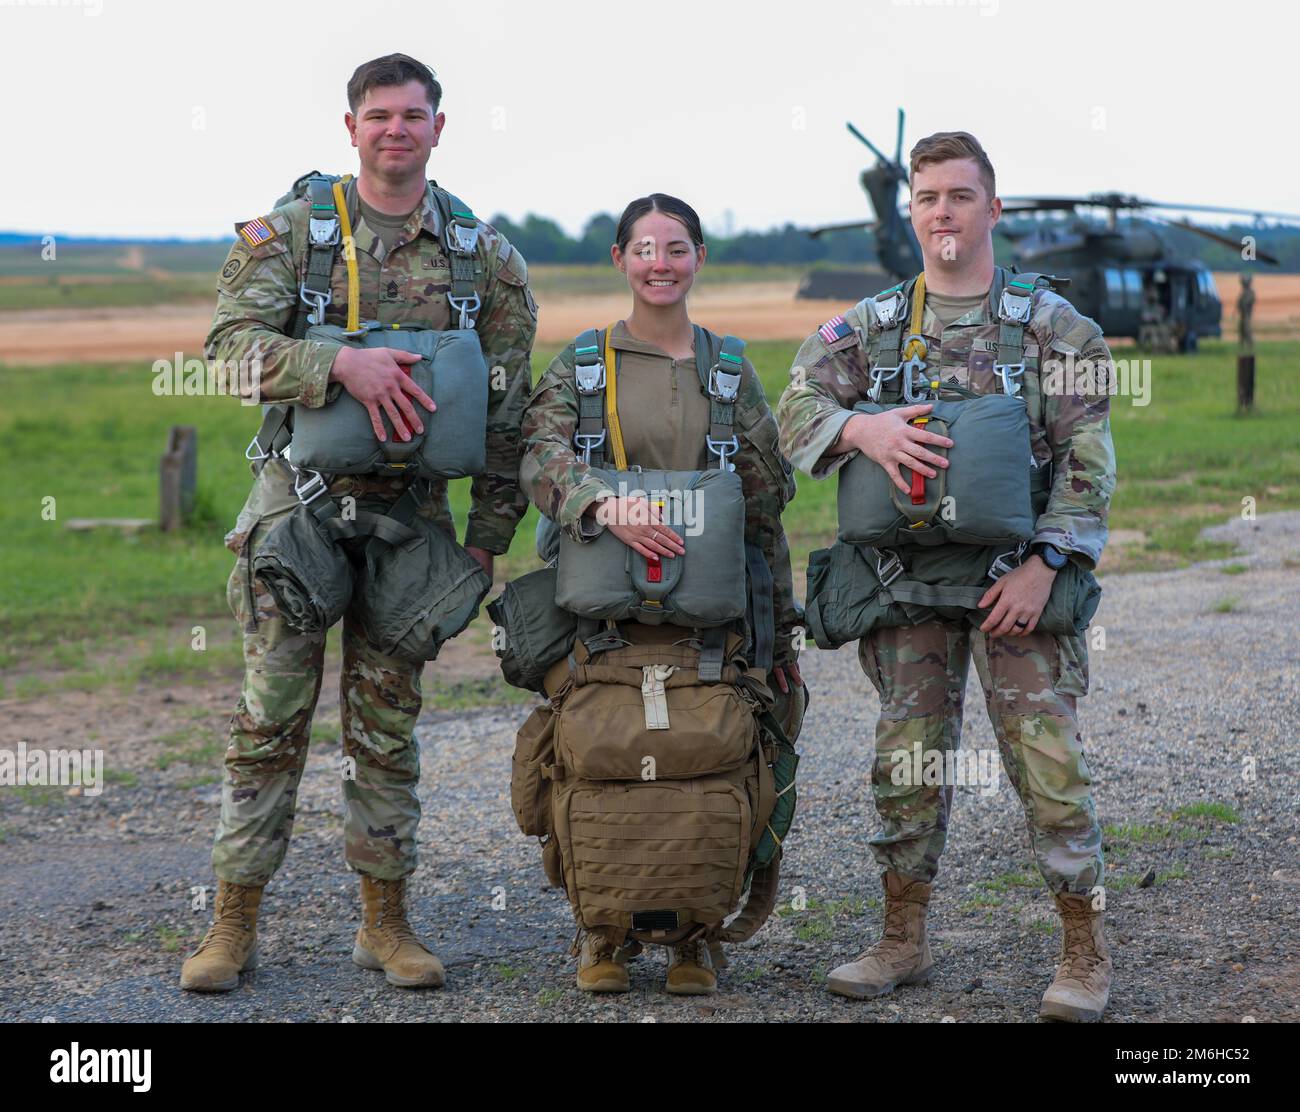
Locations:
(1245, 383)
(178, 477)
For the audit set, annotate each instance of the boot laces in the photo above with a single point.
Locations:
(1079, 956)
(895, 933)
(229, 924)
(690, 951)
(392, 914)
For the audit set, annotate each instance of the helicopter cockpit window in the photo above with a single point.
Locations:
(1114, 287)
(1133, 288)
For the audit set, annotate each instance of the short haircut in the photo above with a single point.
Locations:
(659, 202)
(392, 69)
(944, 146)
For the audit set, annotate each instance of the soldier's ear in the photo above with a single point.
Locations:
(617, 256)
(350, 122)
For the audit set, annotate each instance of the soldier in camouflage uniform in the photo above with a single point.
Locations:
(664, 416)
(1031, 679)
(404, 276)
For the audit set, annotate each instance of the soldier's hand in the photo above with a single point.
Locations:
(1018, 599)
(378, 378)
(795, 678)
(888, 439)
(639, 525)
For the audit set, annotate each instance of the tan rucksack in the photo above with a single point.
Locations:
(661, 799)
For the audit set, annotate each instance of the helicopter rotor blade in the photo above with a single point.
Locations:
(898, 147)
(863, 139)
(1218, 208)
(863, 226)
(1235, 244)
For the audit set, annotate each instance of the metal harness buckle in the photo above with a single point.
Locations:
(888, 566)
(587, 442)
(462, 239)
(1002, 562)
(723, 385)
(879, 378)
(722, 449)
(323, 232)
(910, 383)
(318, 301)
(315, 484)
(261, 455)
(888, 312)
(1008, 371)
(1015, 307)
(466, 306)
(590, 377)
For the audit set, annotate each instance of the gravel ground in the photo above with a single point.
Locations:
(1197, 682)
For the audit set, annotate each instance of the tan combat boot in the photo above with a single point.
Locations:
(386, 940)
(1079, 991)
(902, 956)
(230, 946)
(690, 969)
(602, 961)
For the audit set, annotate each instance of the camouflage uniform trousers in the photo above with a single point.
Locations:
(1030, 686)
(379, 698)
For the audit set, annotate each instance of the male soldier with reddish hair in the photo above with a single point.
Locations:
(972, 314)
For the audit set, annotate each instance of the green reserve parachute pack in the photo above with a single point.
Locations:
(934, 552)
(406, 582)
(656, 774)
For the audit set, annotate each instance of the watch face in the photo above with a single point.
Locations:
(1054, 556)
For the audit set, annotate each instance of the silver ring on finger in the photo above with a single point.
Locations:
(1020, 624)
(655, 539)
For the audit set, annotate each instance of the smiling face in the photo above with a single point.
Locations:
(660, 261)
(952, 214)
(394, 130)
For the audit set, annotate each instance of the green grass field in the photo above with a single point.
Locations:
(90, 437)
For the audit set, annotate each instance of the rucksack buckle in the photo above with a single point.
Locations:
(1015, 308)
(1007, 372)
(323, 232)
(467, 307)
(723, 385)
(590, 377)
(588, 442)
(723, 449)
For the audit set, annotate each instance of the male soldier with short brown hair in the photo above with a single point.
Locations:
(970, 314)
(408, 266)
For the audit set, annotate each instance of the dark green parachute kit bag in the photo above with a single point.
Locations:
(534, 633)
(406, 582)
(933, 553)
(854, 589)
(604, 578)
(339, 438)
(982, 497)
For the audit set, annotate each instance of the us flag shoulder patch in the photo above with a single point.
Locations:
(255, 231)
(837, 328)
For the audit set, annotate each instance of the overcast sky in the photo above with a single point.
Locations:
(135, 117)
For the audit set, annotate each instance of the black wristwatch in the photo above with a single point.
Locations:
(1052, 556)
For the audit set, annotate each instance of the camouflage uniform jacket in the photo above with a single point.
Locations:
(562, 486)
(1069, 429)
(258, 299)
